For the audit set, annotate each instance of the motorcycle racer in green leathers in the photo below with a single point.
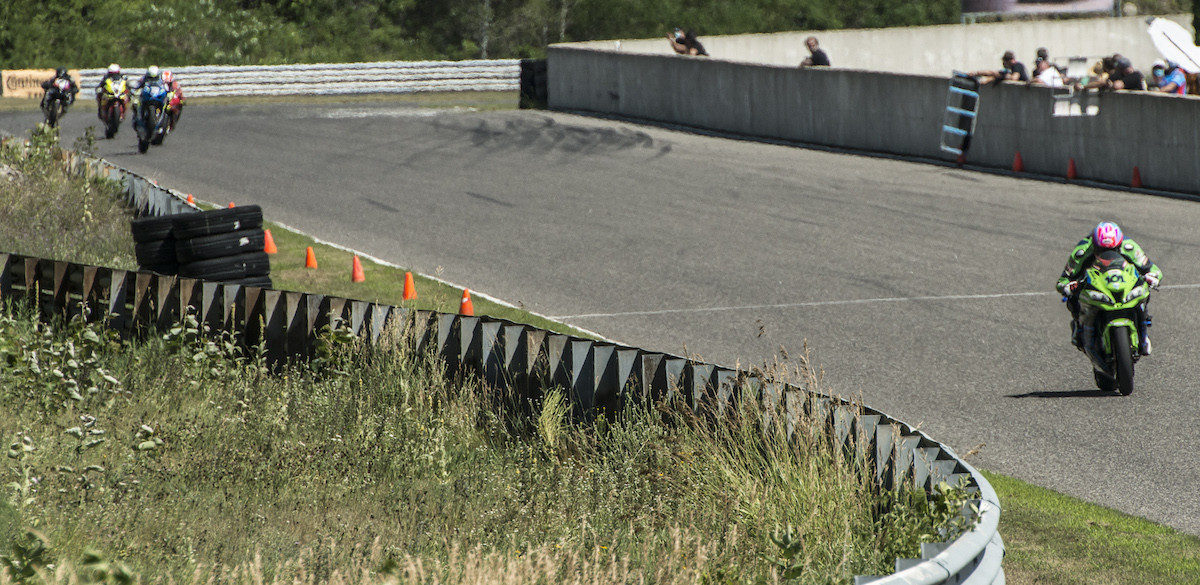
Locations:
(1106, 236)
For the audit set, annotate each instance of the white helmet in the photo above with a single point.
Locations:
(114, 69)
(152, 71)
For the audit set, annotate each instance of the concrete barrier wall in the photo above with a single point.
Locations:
(888, 113)
(831, 107)
(930, 50)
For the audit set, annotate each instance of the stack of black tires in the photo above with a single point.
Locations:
(224, 245)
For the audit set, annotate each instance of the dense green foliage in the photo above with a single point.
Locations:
(91, 33)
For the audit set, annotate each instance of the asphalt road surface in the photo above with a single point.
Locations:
(926, 290)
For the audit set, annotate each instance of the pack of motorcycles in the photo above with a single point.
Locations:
(153, 116)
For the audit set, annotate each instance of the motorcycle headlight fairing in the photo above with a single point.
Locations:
(1097, 295)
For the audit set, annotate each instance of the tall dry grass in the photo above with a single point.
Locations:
(187, 460)
(46, 212)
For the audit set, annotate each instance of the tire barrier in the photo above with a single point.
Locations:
(596, 375)
(166, 218)
(218, 245)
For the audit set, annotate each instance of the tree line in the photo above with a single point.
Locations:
(92, 33)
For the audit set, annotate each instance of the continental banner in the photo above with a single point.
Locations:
(27, 83)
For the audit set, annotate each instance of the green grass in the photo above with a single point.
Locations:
(384, 284)
(1053, 538)
(178, 456)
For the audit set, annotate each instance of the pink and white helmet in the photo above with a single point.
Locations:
(1107, 235)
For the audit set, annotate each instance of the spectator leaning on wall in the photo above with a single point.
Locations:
(1045, 73)
(817, 56)
(1010, 70)
(1169, 78)
(685, 43)
(1125, 77)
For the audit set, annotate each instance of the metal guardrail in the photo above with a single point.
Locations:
(334, 78)
(596, 374)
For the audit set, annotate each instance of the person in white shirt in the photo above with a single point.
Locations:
(1046, 74)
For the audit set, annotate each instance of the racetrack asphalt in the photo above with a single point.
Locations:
(926, 290)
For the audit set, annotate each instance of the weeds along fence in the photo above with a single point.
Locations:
(595, 375)
(335, 78)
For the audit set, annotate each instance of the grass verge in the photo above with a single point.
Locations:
(384, 284)
(1053, 539)
(183, 459)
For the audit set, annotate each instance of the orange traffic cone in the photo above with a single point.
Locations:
(269, 243)
(191, 200)
(356, 271)
(466, 308)
(410, 290)
(1018, 164)
(310, 259)
(231, 205)
(1136, 183)
(1071, 174)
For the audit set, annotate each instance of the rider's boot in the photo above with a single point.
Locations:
(1076, 335)
(1144, 346)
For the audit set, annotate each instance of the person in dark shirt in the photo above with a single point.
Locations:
(1010, 70)
(1126, 77)
(685, 43)
(817, 57)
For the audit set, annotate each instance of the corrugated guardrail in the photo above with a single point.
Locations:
(334, 78)
(596, 374)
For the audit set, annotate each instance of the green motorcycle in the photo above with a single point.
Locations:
(1112, 299)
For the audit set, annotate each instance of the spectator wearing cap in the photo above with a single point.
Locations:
(1124, 76)
(817, 56)
(1168, 78)
(685, 43)
(1010, 70)
(1046, 74)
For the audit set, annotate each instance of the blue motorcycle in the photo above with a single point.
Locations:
(151, 119)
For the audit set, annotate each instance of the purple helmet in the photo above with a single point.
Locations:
(1107, 235)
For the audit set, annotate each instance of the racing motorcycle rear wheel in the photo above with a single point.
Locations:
(53, 112)
(112, 119)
